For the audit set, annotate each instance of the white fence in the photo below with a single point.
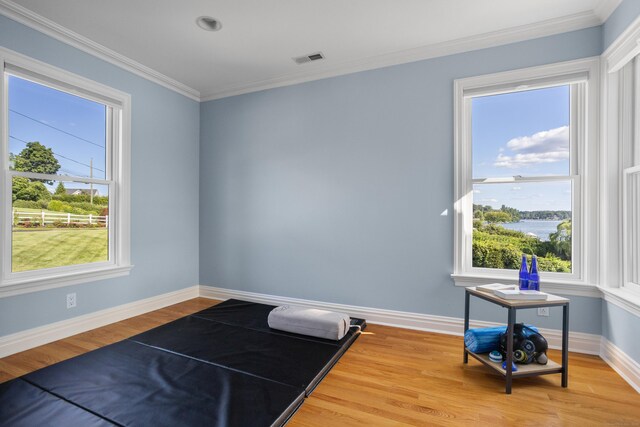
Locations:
(43, 218)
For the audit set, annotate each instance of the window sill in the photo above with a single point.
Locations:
(22, 286)
(625, 299)
(564, 287)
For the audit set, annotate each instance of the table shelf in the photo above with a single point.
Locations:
(528, 370)
(512, 306)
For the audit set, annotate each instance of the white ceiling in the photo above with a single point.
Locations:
(259, 37)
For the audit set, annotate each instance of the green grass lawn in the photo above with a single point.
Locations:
(58, 247)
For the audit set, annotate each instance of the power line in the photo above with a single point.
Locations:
(53, 127)
(60, 155)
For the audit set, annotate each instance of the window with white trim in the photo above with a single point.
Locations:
(630, 165)
(521, 172)
(65, 178)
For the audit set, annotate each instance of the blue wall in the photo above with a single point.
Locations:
(164, 150)
(332, 190)
(621, 328)
(619, 20)
(329, 190)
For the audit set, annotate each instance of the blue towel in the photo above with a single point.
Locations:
(484, 340)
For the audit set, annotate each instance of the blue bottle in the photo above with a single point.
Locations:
(534, 277)
(523, 278)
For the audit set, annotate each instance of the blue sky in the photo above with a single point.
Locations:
(523, 133)
(73, 127)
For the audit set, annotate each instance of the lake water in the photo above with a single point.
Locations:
(540, 228)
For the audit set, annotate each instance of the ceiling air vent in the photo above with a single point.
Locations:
(308, 58)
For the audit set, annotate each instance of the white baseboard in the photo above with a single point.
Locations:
(578, 342)
(624, 365)
(620, 361)
(24, 340)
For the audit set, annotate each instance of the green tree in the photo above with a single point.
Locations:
(515, 213)
(497, 216)
(38, 159)
(60, 189)
(18, 184)
(561, 240)
(34, 191)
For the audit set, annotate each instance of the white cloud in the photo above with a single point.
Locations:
(477, 191)
(550, 146)
(516, 188)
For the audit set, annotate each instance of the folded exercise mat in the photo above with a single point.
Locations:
(252, 315)
(25, 405)
(136, 385)
(310, 321)
(287, 360)
(222, 366)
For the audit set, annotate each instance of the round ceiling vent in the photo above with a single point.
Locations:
(208, 23)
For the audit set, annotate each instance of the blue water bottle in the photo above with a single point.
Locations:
(523, 280)
(534, 277)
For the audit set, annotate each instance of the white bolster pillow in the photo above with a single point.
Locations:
(310, 321)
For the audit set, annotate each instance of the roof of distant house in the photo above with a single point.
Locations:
(76, 191)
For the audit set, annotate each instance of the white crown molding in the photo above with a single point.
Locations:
(24, 340)
(39, 23)
(490, 39)
(624, 48)
(605, 8)
(495, 38)
(624, 365)
(578, 342)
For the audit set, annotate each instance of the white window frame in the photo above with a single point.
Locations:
(620, 159)
(119, 166)
(630, 224)
(583, 76)
(630, 195)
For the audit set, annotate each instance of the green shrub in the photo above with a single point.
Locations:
(30, 204)
(497, 216)
(82, 198)
(33, 190)
(79, 208)
(494, 246)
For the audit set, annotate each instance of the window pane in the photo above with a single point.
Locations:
(512, 219)
(633, 228)
(521, 133)
(58, 224)
(54, 132)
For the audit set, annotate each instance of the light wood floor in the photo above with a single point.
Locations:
(396, 377)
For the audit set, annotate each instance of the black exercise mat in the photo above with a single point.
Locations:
(25, 405)
(287, 360)
(253, 315)
(220, 367)
(136, 385)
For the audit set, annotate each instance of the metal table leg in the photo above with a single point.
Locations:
(510, 327)
(465, 357)
(565, 345)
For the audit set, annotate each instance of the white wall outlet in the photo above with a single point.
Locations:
(71, 300)
(543, 311)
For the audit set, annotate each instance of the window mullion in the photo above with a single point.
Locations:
(522, 179)
(61, 178)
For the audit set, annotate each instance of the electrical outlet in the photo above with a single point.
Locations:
(71, 300)
(543, 311)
